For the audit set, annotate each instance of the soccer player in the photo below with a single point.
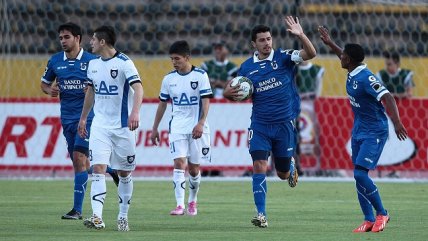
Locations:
(189, 135)
(65, 76)
(276, 105)
(398, 81)
(370, 129)
(116, 92)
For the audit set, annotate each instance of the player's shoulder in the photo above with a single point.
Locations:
(57, 57)
(88, 56)
(198, 70)
(123, 57)
(405, 71)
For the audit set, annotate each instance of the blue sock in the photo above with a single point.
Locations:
(80, 180)
(365, 204)
(259, 191)
(370, 190)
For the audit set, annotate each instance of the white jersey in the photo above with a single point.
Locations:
(186, 92)
(112, 80)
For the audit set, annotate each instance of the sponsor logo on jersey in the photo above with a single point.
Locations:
(113, 73)
(194, 84)
(185, 100)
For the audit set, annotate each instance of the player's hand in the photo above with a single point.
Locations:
(81, 129)
(134, 121)
(293, 25)
(324, 35)
(400, 131)
(232, 93)
(197, 131)
(54, 91)
(155, 137)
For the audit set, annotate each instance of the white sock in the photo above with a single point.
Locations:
(98, 193)
(194, 187)
(124, 190)
(179, 186)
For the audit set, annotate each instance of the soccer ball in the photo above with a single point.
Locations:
(246, 87)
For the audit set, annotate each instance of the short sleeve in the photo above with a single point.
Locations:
(164, 92)
(205, 89)
(131, 72)
(49, 74)
(374, 87)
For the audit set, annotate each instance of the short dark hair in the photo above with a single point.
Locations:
(355, 52)
(74, 29)
(392, 55)
(107, 33)
(258, 29)
(180, 47)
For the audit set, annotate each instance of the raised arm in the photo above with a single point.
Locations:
(308, 51)
(325, 37)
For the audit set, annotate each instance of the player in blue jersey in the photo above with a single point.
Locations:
(64, 76)
(276, 105)
(366, 94)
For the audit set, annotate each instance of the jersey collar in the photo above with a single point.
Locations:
(79, 56)
(357, 70)
(256, 57)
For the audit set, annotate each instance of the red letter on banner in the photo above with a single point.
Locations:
(19, 140)
(55, 122)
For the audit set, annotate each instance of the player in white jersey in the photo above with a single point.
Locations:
(116, 93)
(189, 90)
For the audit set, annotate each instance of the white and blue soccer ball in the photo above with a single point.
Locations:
(246, 87)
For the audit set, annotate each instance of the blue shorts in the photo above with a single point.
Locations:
(280, 139)
(74, 141)
(366, 152)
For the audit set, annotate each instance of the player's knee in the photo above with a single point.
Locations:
(260, 166)
(282, 164)
(282, 175)
(360, 173)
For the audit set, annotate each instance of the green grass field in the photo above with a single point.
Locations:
(31, 210)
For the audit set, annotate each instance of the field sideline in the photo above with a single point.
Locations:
(31, 210)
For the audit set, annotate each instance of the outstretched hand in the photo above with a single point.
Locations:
(293, 25)
(324, 35)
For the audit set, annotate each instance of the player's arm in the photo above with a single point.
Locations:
(134, 117)
(199, 128)
(325, 37)
(294, 27)
(159, 114)
(50, 89)
(87, 106)
(392, 110)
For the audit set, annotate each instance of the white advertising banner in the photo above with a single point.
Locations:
(31, 134)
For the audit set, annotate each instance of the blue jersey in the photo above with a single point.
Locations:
(275, 97)
(70, 75)
(364, 92)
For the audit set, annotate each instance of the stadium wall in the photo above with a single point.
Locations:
(20, 76)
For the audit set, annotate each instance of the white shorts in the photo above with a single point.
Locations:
(114, 147)
(197, 151)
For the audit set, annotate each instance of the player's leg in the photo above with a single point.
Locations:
(123, 160)
(283, 149)
(77, 150)
(366, 159)
(260, 147)
(365, 205)
(179, 148)
(200, 151)
(100, 152)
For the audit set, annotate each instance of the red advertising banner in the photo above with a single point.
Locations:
(335, 119)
